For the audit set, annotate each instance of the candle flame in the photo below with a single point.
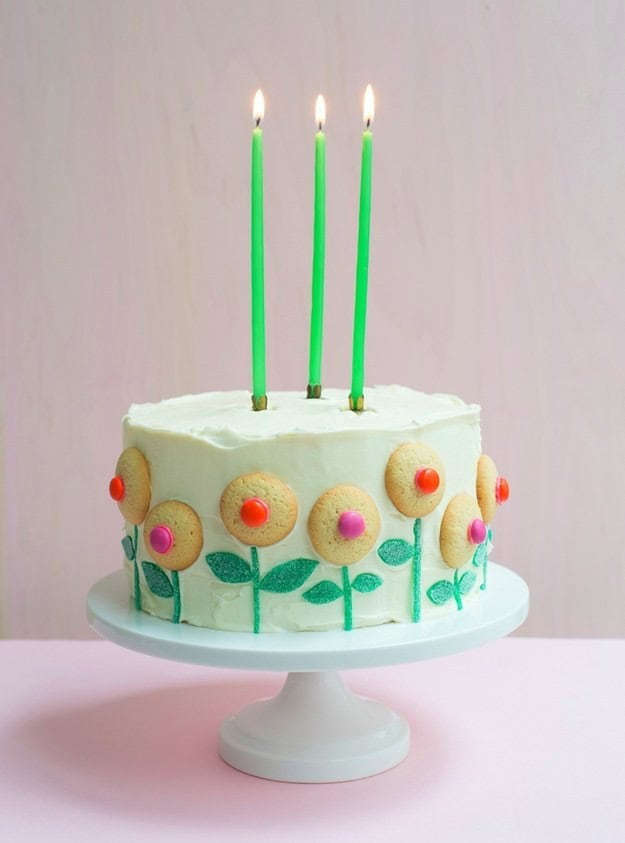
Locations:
(258, 109)
(368, 107)
(320, 112)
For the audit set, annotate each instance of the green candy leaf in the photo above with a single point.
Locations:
(465, 583)
(288, 575)
(479, 556)
(395, 551)
(440, 592)
(323, 592)
(366, 582)
(129, 548)
(228, 567)
(157, 580)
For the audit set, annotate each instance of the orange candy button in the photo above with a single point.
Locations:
(117, 488)
(502, 490)
(427, 480)
(254, 512)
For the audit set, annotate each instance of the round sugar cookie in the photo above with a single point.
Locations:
(344, 524)
(485, 487)
(411, 474)
(456, 544)
(258, 509)
(131, 485)
(173, 535)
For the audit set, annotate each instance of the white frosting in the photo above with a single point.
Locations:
(226, 419)
(197, 444)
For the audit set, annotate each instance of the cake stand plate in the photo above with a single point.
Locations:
(315, 729)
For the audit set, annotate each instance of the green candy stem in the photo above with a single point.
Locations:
(347, 600)
(256, 588)
(457, 594)
(484, 566)
(416, 572)
(175, 582)
(135, 564)
(489, 538)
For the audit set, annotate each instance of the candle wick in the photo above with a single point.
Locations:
(320, 126)
(258, 122)
(368, 122)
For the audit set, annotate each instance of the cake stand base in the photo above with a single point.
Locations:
(314, 730)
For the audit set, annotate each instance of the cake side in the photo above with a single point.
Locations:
(196, 446)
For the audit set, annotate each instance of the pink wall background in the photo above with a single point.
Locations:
(497, 255)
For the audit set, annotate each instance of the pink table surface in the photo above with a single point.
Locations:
(521, 740)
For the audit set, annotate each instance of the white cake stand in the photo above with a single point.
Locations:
(315, 729)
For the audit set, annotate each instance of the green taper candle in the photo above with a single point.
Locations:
(319, 254)
(259, 397)
(356, 397)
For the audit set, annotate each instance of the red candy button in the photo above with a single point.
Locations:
(427, 480)
(254, 512)
(117, 489)
(502, 490)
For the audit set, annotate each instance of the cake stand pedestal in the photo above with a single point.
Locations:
(315, 729)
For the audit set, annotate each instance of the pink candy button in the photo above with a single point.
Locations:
(351, 524)
(477, 531)
(161, 538)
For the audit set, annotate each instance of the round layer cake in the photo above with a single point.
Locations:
(306, 516)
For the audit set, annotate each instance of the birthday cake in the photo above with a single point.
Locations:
(306, 516)
(311, 512)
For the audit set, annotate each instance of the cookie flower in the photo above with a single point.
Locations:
(415, 483)
(130, 489)
(343, 526)
(172, 534)
(491, 491)
(462, 529)
(259, 510)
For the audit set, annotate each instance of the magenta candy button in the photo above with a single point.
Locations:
(477, 531)
(351, 524)
(161, 539)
